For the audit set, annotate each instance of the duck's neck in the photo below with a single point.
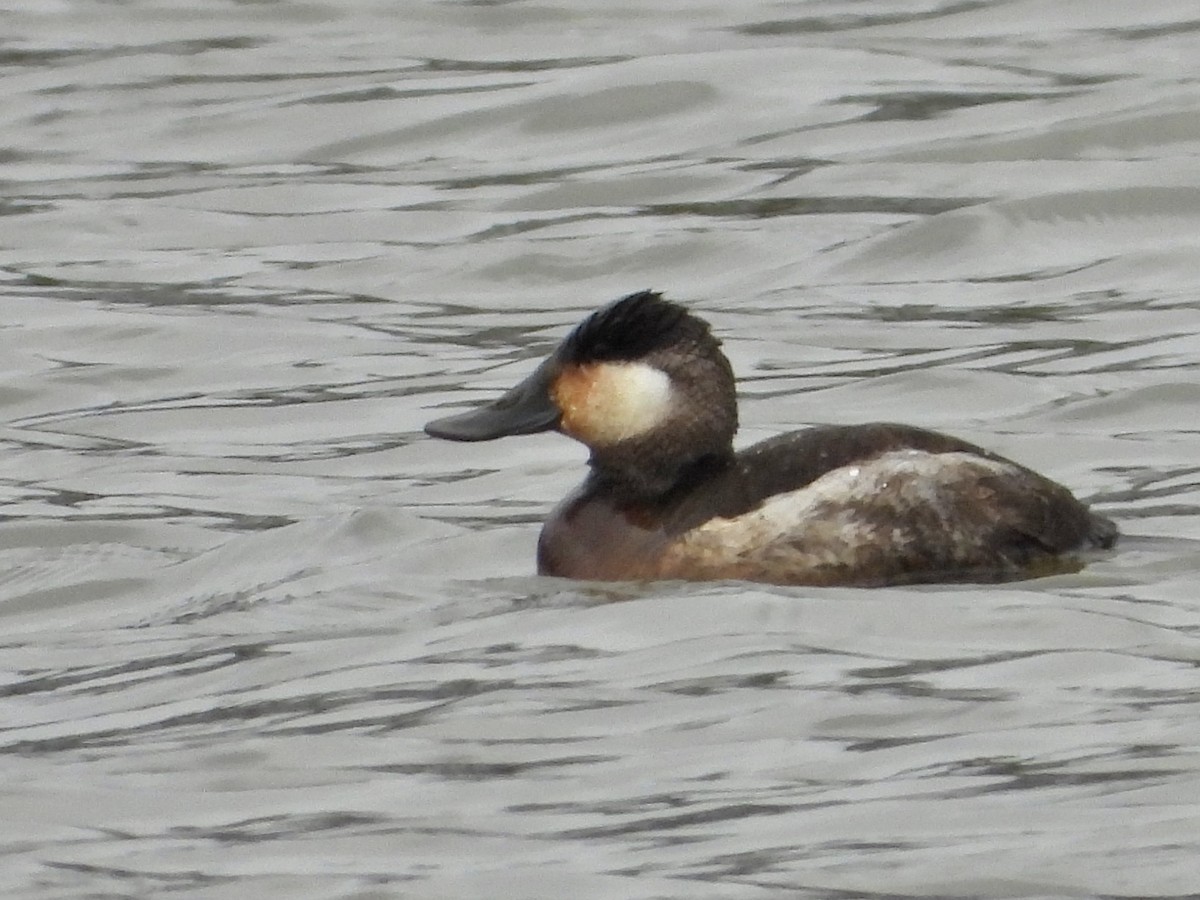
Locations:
(642, 477)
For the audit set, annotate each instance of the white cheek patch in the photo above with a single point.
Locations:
(623, 400)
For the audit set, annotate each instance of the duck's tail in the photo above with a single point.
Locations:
(1102, 532)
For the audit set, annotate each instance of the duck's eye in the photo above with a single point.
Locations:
(606, 402)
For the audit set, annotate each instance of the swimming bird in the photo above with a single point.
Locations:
(643, 383)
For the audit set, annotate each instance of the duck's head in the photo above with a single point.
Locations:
(642, 382)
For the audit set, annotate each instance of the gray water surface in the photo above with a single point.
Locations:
(263, 638)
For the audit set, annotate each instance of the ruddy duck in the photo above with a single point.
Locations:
(644, 385)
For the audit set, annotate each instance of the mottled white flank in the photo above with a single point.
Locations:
(625, 400)
(822, 524)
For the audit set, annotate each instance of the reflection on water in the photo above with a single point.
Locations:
(262, 638)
